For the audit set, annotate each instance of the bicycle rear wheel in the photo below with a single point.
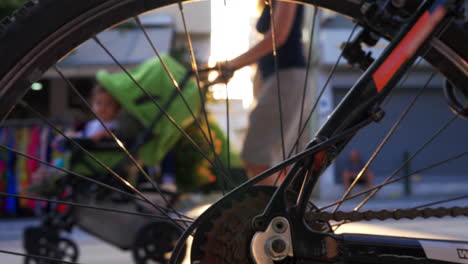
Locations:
(39, 43)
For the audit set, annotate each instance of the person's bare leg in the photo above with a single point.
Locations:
(255, 169)
(346, 179)
(370, 179)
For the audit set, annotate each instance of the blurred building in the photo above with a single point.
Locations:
(130, 47)
(427, 116)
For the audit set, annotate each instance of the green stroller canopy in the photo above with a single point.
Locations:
(154, 79)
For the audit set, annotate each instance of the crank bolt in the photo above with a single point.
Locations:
(277, 248)
(280, 225)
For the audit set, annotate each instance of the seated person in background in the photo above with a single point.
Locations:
(352, 169)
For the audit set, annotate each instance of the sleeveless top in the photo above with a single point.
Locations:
(291, 54)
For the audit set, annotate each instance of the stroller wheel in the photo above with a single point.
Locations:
(62, 249)
(155, 242)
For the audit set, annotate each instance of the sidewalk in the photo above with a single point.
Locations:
(11, 229)
(95, 251)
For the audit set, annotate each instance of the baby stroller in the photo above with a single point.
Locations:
(149, 238)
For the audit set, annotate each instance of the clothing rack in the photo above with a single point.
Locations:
(18, 123)
(32, 137)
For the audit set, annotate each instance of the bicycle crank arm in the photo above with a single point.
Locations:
(282, 239)
(274, 244)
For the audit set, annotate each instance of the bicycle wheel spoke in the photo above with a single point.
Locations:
(228, 126)
(442, 202)
(278, 88)
(228, 123)
(160, 108)
(121, 145)
(339, 224)
(304, 94)
(278, 83)
(309, 62)
(194, 64)
(99, 208)
(427, 143)
(110, 170)
(385, 140)
(330, 75)
(74, 23)
(179, 91)
(109, 187)
(350, 197)
(112, 134)
(36, 257)
(401, 83)
(302, 128)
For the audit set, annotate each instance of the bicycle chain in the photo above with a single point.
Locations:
(396, 214)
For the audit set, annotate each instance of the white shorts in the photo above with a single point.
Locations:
(263, 144)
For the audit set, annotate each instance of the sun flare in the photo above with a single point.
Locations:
(231, 36)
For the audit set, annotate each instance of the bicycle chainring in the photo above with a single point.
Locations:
(225, 238)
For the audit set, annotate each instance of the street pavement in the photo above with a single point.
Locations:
(94, 251)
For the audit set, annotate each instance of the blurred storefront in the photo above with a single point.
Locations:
(427, 116)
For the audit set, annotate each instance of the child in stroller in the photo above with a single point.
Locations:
(149, 136)
(106, 109)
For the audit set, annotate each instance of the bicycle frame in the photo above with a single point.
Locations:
(359, 108)
(360, 104)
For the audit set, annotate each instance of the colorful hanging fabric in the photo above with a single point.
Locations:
(3, 179)
(11, 207)
(33, 150)
(2, 162)
(48, 143)
(62, 208)
(21, 173)
(2, 174)
(53, 153)
(44, 144)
